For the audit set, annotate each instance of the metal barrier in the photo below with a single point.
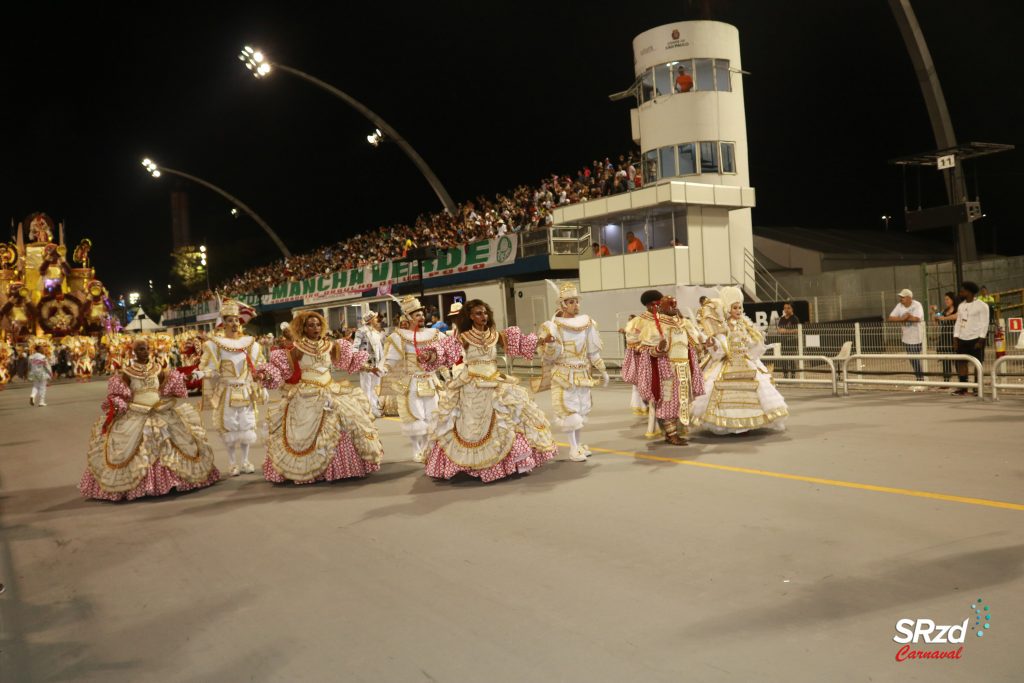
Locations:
(996, 384)
(978, 368)
(834, 379)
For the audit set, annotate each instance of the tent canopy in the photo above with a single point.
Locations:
(142, 323)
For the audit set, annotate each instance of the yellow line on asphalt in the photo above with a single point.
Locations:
(817, 480)
(810, 480)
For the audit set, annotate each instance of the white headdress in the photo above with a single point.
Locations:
(730, 296)
(567, 290)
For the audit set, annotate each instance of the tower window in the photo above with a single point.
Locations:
(728, 157)
(687, 159)
(709, 157)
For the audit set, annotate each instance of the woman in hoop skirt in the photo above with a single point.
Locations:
(487, 426)
(149, 442)
(322, 430)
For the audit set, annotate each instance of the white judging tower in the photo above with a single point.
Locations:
(692, 214)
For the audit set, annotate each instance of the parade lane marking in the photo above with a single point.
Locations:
(984, 502)
(818, 480)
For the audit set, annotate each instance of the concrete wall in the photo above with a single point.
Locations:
(807, 260)
(871, 292)
(655, 268)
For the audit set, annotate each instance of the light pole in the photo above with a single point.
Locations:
(156, 171)
(886, 220)
(260, 66)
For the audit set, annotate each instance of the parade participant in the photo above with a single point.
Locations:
(6, 354)
(83, 351)
(636, 404)
(412, 356)
(572, 346)
(453, 314)
(190, 350)
(227, 368)
(147, 442)
(664, 366)
(487, 426)
(740, 395)
(370, 340)
(18, 312)
(39, 372)
(321, 430)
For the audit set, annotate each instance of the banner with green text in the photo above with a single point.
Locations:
(499, 251)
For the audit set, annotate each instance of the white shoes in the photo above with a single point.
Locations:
(234, 471)
(586, 449)
(578, 454)
(420, 456)
(42, 403)
(248, 467)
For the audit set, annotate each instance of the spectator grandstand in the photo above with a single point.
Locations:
(521, 210)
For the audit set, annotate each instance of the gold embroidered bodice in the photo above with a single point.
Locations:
(481, 353)
(144, 381)
(316, 367)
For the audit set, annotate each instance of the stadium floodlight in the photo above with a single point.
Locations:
(255, 61)
(259, 64)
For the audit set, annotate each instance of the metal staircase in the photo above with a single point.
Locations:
(765, 284)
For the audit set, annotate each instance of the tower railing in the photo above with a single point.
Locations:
(766, 284)
(570, 240)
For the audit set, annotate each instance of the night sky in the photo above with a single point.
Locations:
(492, 94)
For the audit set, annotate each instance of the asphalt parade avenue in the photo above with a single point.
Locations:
(774, 557)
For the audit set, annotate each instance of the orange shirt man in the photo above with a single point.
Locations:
(633, 243)
(684, 82)
(601, 250)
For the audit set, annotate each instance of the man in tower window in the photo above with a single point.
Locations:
(633, 243)
(684, 82)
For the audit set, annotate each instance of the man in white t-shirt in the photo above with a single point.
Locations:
(909, 314)
(970, 329)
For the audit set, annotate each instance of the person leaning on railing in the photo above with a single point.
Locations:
(945, 320)
(910, 313)
(970, 330)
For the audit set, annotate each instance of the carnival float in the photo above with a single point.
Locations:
(43, 297)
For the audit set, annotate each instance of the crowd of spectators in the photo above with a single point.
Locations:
(523, 209)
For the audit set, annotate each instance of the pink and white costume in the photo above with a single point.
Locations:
(148, 442)
(487, 425)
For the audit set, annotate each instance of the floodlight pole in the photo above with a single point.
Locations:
(237, 202)
(389, 132)
(965, 248)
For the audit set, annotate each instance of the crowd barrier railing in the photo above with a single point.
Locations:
(833, 379)
(860, 369)
(995, 378)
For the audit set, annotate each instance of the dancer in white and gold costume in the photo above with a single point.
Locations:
(740, 395)
(322, 429)
(487, 425)
(149, 441)
(411, 359)
(370, 339)
(571, 353)
(227, 368)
